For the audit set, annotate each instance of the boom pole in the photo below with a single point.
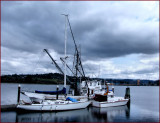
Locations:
(67, 66)
(60, 70)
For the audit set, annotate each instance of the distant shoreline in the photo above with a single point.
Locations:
(56, 78)
(67, 84)
(31, 83)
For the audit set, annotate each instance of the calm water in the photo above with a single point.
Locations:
(144, 107)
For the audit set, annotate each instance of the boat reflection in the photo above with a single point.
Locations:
(65, 116)
(110, 114)
(90, 114)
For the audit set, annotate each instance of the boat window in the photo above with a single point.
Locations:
(56, 102)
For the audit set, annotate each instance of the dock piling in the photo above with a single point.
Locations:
(18, 97)
(127, 95)
(88, 93)
(57, 92)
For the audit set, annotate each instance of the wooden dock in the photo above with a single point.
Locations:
(11, 107)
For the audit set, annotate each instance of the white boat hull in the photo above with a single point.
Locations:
(54, 107)
(109, 104)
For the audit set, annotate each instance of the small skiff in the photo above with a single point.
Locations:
(108, 99)
(115, 101)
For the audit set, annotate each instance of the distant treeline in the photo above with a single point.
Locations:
(56, 78)
(49, 78)
(133, 82)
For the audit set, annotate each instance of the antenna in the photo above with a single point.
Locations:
(65, 14)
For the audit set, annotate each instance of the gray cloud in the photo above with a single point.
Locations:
(29, 27)
(151, 71)
(33, 26)
(155, 69)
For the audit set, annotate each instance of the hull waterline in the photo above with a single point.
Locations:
(54, 107)
(109, 104)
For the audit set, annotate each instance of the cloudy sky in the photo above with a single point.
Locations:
(117, 39)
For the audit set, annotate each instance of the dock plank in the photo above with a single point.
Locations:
(8, 107)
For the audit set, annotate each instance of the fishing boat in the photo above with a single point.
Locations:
(38, 95)
(94, 87)
(56, 105)
(108, 99)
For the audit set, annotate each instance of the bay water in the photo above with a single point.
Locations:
(144, 106)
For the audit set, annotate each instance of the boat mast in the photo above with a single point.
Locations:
(76, 50)
(65, 47)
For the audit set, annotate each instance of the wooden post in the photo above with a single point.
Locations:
(113, 89)
(18, 97)
(88, 93)
(127, 94)
(57, 92)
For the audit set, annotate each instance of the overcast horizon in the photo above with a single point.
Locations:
(117, 39)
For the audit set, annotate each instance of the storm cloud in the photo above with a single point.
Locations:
(102, 31)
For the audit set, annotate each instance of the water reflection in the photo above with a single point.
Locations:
(109, 114)
(141, 110)
(128, 111)
(91, 114)
(66, 116)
